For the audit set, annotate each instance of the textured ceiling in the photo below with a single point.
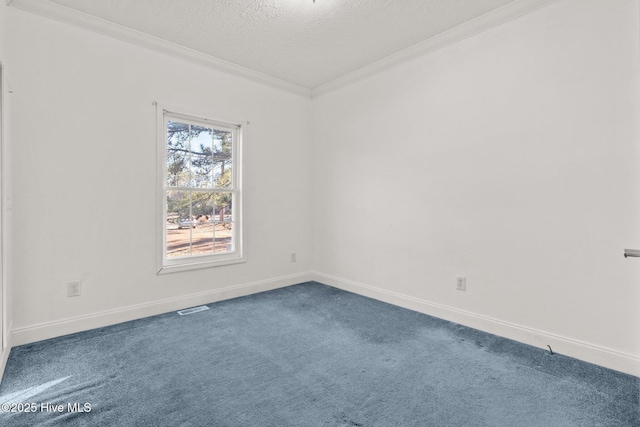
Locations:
(298, 41)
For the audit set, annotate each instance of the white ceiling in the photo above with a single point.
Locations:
(301, 42)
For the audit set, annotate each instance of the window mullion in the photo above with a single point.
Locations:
(190, 194)
(203, 190)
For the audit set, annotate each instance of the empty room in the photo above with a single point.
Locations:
(320, 213)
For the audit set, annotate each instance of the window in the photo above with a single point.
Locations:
(200, 196)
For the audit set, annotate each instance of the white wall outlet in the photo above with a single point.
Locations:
(73, 288)
(461, 283)
(293, 257)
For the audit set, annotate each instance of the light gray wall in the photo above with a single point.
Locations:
(85, 178)
(510, 158)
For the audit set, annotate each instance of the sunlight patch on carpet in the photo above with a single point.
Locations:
(24, 395)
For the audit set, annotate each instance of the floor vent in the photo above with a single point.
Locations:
(193, 310)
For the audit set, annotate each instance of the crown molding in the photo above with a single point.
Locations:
(120, 32)
(463, 31)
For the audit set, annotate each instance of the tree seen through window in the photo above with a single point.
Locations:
(199, 189)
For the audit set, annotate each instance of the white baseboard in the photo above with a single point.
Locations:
(562, 345)
(587, 352)
(42, 331)
(4, 355)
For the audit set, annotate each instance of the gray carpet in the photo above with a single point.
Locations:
(308, 355)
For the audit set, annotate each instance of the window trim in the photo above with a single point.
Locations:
(187, 263)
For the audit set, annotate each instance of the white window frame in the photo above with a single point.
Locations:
(192, 262)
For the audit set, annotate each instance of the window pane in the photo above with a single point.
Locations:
(201, 157)
(223, 206)
(179, 224)
(223, 217)
(202, 242)
(224, 237)
(202, 210)
(177, 154)
(222, 144)
(202, 205)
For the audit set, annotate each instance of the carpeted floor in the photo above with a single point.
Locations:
(307, 355)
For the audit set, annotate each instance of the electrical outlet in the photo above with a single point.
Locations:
(293, 257)
(73, 288)
(461, 283)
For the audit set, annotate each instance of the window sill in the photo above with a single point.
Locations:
(176, 266)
